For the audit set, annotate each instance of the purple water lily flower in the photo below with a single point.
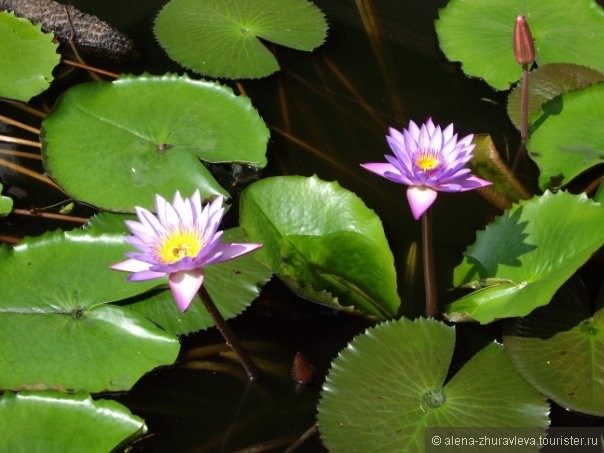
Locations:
(179, 243)
(428, 160)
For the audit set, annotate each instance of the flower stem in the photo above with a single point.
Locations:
(227, 333)
(429, 277)
(523, 115)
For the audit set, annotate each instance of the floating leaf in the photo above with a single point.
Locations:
(6, 204)
(55, 326)
(567, 139)
(233, 285)
(521, 259)
(28, 58)
(222, 39)
(116, 145)
(51, 421)
(547, 82)
(317, 234)
(560, 350)
(479, 35)
(388, 386)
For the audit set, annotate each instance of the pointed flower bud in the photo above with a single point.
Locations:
(524, 48)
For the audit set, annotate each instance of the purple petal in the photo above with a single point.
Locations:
(184, 286)
(474, 182)
(145, 275)
(379, 168)
(150, 221)
(420, 199)
(226, 251)
(386, 170)
(130, 265)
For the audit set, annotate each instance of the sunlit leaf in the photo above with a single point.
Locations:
(51, 421)
(525, 255)
(567, 139)
(233, 285)
(55, 326)
(28, 58)
(116, 145)
(388, 386)
(479, 35)
(317, 234)
(222, 39)
(548, 81)
(560, 350)
(6, 204)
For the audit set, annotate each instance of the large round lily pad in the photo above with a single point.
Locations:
(54, 422)
(222, 39)
(388, 387)
(560, 350)
(28, 58)
(479, 35)
(116, 145)
(56, 327)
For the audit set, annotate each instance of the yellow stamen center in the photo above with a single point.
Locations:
(427, 161)
(180, 245)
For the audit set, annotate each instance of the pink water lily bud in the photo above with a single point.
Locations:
(524, 48)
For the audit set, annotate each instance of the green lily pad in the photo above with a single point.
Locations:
(321, 239)
(233, 285)
(6, 204)
(388, 386)
(567, 140)
(55, 326)
(222, 39)
(54, 422)
(28, 58)
(116, 145)
(547, 82)
(521, 259)
(560, 350)
(479, 35)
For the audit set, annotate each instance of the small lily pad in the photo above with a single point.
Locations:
(521, 259)
(560, 350)
(51, 421)
(115, 145)
(222, 39)
(322, 241)
(28, 58)
(388, 386)
(479, 35)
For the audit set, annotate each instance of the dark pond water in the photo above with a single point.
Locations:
(328, 111)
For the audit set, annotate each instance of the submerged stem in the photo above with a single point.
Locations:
(429, 277)
(227, 333)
